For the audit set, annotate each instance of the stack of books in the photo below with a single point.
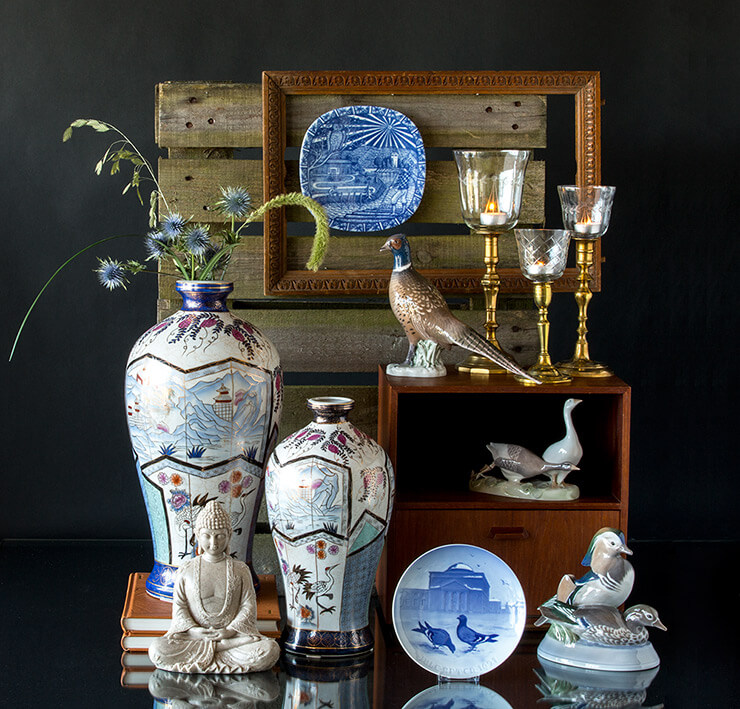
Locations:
(145, 618)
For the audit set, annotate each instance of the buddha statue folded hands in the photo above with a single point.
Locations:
(214, 609)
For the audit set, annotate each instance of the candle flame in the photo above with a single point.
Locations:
(587, 221)
(492, 206)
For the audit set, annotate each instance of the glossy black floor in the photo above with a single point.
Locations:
(60, 606)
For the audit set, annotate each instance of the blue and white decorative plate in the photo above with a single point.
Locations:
(459, 611)
(457, 695)
(366, 165)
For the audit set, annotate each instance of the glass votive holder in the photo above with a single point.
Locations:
(543, 253)
(586, 210)
(491, 186)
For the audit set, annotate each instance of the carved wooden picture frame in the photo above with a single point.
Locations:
(584, 86)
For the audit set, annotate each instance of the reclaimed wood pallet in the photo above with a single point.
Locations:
(213, 136)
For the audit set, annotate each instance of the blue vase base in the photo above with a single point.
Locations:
(329, 643)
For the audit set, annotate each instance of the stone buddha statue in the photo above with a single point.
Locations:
(214, 609)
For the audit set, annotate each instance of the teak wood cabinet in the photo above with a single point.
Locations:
(435, 432)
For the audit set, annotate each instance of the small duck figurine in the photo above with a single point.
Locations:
(517, 463)
(610, 580)
(567, 450)
(605, 625)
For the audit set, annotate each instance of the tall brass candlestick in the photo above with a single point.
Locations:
(581, 363)
(586, 210)
(475, 364)
(491, 185)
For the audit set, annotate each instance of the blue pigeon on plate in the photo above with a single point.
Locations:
(439, 637)
(610, 580)
(472, 637)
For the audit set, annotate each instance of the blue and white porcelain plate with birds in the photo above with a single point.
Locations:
(366, 165)
(459, 611)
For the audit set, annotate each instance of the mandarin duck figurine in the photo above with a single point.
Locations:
(610, 580)
(586, 628)
(425, 316)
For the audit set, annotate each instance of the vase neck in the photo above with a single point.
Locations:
(330, 409)
(204, 296)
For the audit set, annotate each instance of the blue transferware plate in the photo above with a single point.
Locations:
(457, 695)
(459, 611)
(366, 165)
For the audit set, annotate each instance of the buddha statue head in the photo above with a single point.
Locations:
(213, 530)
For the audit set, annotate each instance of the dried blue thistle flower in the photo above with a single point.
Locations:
(154, 244)
(172, 226)
(111, 273)
(197, 240)
(234, 202)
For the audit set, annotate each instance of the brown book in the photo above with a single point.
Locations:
(145, 616)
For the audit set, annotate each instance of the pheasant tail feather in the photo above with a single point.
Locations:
(472, 341)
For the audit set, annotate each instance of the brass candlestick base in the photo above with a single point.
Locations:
(580, 364)
(544, 370)
(579, 367)
(475, 364)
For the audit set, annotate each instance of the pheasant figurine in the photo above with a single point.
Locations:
(424, 315)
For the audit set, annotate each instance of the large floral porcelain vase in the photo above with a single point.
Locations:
(203, 398)
(329, 490)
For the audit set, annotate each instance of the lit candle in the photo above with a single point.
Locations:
(587, 227)
(537, 268)
(492, 217)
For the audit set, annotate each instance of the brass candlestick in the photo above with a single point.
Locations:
(544, 370)
(491, 185)
(586, 210)
(542, 257)
(473, 363)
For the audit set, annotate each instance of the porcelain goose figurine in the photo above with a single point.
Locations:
(424, 314)
(567, 450)
(604, 625)
(517, 463)
(610, 580)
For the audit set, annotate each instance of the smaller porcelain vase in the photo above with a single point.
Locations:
(329, 490)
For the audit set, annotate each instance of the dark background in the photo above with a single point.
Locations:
(669, 142)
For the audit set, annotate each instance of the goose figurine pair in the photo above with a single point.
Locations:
(587, 628)
(519, 465)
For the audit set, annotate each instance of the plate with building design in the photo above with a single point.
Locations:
(366, 165)
(459, 611)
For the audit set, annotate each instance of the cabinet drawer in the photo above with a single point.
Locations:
(539, 545)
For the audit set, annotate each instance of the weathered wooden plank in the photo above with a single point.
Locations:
(197, 114)
(444, 121)
(346, 252)
(192, 185)
(209, 115)
(357, 340)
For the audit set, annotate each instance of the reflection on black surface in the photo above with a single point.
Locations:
(326, 684)
(60, 632)
(458, 695)
(250, 691)
(565, 687)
